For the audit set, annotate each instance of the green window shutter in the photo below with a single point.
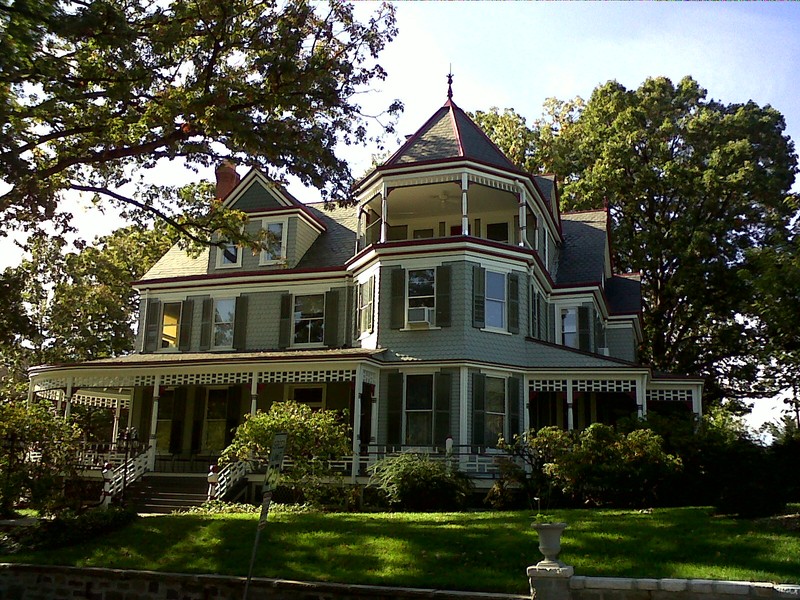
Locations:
(285, 327)
(331, 331)
(585, 328)
(398, 314)
(532, 319)
(514, 385)
(478, 297)
(541, 315)
(441, 418)
(206, 323)
(513, 303)
(151, 327)
(443, 296)
(240, 324)
(478, 409)
(187, 318)
(394, 395)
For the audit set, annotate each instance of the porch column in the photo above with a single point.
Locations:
(117, 411)
(697, 401)
(254, 393)
(641, 398)
(570, 412)
(30, 393)
(384, 210)
(523, 216)
(359, 383)
(68, 396)
(151, 456)
(464, 216)
(359, 229)
(526, 403)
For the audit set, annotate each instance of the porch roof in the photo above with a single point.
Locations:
(186, 358)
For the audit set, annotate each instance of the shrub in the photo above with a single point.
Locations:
(415, 482)
(605, 467)
(314, 438)
(28, 431)
(523, 477)
(67, 530)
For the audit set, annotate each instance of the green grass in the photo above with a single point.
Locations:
(485, 551)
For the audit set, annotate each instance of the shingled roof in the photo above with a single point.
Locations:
(584, 249)
(337, 245)
(449, 134)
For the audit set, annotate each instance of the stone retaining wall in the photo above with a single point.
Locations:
(549, 587)
(39, 582)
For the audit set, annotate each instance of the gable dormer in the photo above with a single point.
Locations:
(292, 228)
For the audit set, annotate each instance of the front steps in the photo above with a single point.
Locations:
(161, 494)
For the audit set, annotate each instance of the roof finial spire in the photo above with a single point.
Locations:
(450, 83)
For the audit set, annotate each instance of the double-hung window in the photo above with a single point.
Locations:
(495, 300)
(309, 319)
(569, 327)
(274, 243)
(495, 407)
(421, 295)
(224, 313)
(366, 296)
(170, 324)
(419, 410)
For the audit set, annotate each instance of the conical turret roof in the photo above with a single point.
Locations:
(448, 135)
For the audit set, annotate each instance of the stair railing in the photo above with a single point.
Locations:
(221, 481)
(115, 480)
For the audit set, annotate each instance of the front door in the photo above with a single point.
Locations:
(214, 424)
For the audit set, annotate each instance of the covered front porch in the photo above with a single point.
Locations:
(182, 411)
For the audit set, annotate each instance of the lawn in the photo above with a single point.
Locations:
(486, 551)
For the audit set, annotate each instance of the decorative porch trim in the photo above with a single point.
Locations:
(326, 376)
(102, 400)
(206, 378)
(548, 385)
(604, 385)
(669, 395)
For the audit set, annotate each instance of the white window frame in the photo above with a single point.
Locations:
(366, 307)
(221, 264)
(486, 299)
(562, 332)
(175, 348)
(295, 320)
(431, 410)
(432, 296)
(487, 412)
(215, 323)
(263, 260)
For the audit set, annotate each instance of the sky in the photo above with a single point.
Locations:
(517, 54)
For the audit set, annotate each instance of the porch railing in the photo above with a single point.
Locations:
(477, 461)
(116, 480)
(219, 484)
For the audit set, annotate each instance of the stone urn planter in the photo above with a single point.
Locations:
(550, 544)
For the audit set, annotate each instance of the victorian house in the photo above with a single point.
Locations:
(452, 301)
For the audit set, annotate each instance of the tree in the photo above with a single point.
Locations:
(693, 185)
(81, 304)
(92, 94)
(314, 438)
(38, 452)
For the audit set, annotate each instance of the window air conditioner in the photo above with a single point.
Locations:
(604, 351)
(421, 315)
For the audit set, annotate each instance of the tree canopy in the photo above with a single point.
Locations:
(92, 94)
(77, 306)
(696, 189)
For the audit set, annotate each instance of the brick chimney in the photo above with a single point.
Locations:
(227, 178)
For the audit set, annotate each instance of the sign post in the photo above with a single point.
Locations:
(276, 454)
